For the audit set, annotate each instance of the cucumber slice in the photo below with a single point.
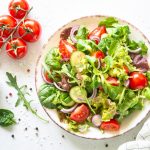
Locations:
(78, 60)
(78, 94)
(68, 102)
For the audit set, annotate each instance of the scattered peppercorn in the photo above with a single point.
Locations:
(13, 136)
(10, 94)
(37, 129)
(26, 129)
(6, 97)
(63, 136)
(19, 119)
(36, 134)
(28, 70)
(106, 145)
(30, 89)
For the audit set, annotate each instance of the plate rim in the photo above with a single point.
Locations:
(38, 59)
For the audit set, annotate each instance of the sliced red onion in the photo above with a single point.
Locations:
(99, 64)
(72, 33)
(126, 83)
(59, 88)
(43, 76)
(97, 120)
(135, 51)
(95, 38)
(94, 93)
(69, 110)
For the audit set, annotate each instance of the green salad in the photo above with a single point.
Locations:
(96, 77)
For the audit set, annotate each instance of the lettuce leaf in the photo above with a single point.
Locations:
(108, 22)
(82, 33)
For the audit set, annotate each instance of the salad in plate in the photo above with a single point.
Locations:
(96, 78)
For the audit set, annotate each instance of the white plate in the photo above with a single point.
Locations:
(129, 122)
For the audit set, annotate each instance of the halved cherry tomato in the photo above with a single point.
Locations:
(80, 114)
(126, 69)
(46, 77)
(113, 81)
(137, 80)
(16, 48)
(29, 30)
(111, 125)
(97, 32)
(18, 8)
(7, 24)
(99, 54)
(66, 49)
(1, 42)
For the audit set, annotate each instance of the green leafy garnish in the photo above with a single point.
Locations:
(108, 22)
(6, 118)
(12, 81)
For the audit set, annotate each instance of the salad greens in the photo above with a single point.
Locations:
(6, 118)
(96, 74)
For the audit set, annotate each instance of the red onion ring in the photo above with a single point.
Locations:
(97, 120)
(126, 83)
(69, 110)
(43, 76)
(99, 64)
(59, 88)
(135, 51)
(72, 33)
(95, 38)
(94, 93)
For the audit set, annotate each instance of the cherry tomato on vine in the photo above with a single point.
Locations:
(7, 24)
(66, 49)
(111, 125)
(98, 54)
(113, 81)
(16, 48)
(18, 8)
(29, 30)
(80, 114)
(137, 80)
(1, 42)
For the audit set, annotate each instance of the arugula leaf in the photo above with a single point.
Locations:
(6, 118)
(108, 22)
(132, 44)
(86, 46)
(109, 63)
(82, 33)
(143, 47)
(21, 94)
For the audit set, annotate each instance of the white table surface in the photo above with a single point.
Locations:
(52, 14)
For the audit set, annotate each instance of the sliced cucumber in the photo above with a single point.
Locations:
(78, 60)
(78, 94)
(68, 102)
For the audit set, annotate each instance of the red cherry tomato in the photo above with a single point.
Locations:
(18, 8)
(126, 69)
(111, 125)
(29, 30)
(113, 81)
(99, 54)
(47, 78)
(1, 42)
(80, 114)
(16, 48)
(97, 32)
(137, 80)
(7, 24)
(66, 49)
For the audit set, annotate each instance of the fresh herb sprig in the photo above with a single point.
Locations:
(21, 92)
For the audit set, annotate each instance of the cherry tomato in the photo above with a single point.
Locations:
(1, 42)
(80, 114)
(66, 49)
(111, 125)
(46, 77)
(137, 80)
(7, 24)
(113, 81)
(126, 69)
(16, 48)
(18, 8)
(97, 32)
(29, 30)
(99, 54)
